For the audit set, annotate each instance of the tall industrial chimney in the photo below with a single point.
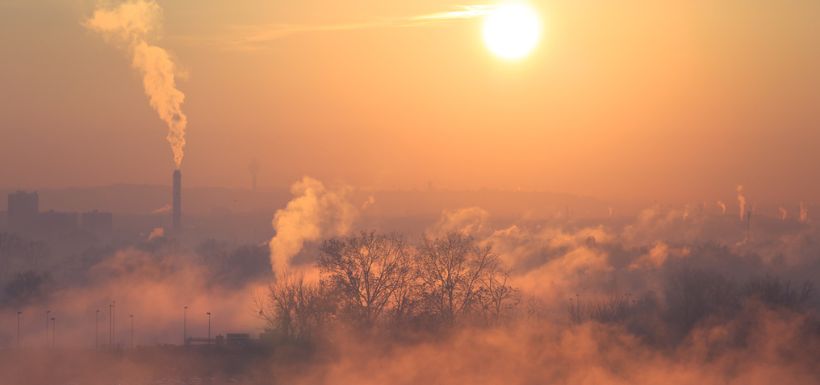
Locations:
(177, 199)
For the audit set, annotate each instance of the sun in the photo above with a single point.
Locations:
(512, 31)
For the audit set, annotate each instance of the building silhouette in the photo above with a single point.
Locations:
(97, 222)
(23, 210)
(56, 222)
(24, 217)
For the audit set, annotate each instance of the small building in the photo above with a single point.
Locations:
(241, 339)
(23, 209)
(57, 222)
(97, 222)
(198, 341)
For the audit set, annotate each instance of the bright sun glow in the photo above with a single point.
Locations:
(512, 31)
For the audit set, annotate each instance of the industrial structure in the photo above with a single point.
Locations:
(177, 202)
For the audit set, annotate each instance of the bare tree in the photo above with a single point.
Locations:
(295, 309)
(408, 292)
(374, 279)
(498, 296)
(777, 292)
(370, 272)
(458, 276)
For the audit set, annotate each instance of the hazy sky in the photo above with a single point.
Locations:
(651, 99)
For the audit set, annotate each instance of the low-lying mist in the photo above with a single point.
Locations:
(675, 295)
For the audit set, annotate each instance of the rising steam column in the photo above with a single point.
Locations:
(177, 201)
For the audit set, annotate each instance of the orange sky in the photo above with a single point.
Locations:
(628, 99)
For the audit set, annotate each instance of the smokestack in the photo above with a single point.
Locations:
(254, 169)
(177, 199)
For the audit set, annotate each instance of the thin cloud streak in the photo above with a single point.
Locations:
(463, 12)
(253, 37)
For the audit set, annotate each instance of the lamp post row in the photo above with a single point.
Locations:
(51, 329)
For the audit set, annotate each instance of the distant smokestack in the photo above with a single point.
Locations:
(254, 169)
(177, 199)
(804, 213)
(722, 207)
(741, 202)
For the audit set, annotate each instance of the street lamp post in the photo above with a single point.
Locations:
(48, 312)
(97, 330)
(53, 331)
(114, 322)
(19, 313)
(110, 325)
(209, 327)
(185, 326)
(132, 330)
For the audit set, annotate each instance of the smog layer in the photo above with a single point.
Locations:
(409, 192)
(670, 294)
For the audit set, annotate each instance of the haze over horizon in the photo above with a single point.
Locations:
(409, 192)
(635, 100)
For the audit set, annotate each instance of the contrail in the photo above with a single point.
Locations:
(130, 25)
(251, 37)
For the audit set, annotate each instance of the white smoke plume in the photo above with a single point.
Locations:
(655, 258)
(316, 212)
(804, 213)
(722, 207)
(156, 233)
(741, 202)
(162, 210)
(471, 221)
(129, 25)
(371, 200)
